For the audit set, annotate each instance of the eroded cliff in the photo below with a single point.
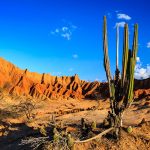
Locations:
(46, 86)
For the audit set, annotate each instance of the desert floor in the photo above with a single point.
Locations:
(15, 126)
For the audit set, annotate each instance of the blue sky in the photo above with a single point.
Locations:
(64, 37)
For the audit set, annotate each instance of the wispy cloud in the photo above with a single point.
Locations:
(123, 16)
(148, 45)
(109, 15)
(64, 31)
(117, 11)
(141, 72)
(137, 59)
(70, 69)
(67, 35)
(57, 73)
(75, 56)
(120, 24)
(97, 79)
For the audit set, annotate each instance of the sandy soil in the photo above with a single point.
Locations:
(14, 124)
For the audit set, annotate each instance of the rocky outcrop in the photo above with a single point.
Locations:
(142, 89)
(45, 86)
(142, 93)
(142, 84)
(23, 82)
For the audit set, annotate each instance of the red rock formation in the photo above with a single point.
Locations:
(23, 82)
(142, 84)
(142, 93)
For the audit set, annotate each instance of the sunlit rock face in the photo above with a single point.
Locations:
(44, 86)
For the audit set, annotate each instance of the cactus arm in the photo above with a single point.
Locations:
(117, 47)
(132, 65)
(125, 55)
(105, 48)
(135, 43)
(107, 65)
(106, 59)
(130, 91)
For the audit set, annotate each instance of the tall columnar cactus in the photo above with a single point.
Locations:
(132, 65)
(125, 55)
(106, 63)
(120, 89)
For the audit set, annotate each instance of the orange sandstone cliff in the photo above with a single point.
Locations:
(45, 86)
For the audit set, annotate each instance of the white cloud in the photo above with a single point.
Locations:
(123, 16)
(97, 79)
(75, 56)
(52, 32)
(118, 11)
(137, 59)
(120, 24)
(74, 27)
(65, 31)
(57, 30)
(57, 73)
(141, 72)
(148, 45)
(66, 36)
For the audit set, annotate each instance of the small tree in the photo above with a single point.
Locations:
(27, 108)
(120, 89)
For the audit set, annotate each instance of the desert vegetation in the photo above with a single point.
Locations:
(120, 89)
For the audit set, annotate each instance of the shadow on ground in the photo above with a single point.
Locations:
(13, 134)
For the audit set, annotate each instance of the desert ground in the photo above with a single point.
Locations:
(16, 125)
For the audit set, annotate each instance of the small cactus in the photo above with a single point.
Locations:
(61, 124)
(93, 125)
(63, 133)
(43, 131)
(83, 124)
(91, 134)
(53, 119)
(70, 141)
(56, 136)
(129, 129)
